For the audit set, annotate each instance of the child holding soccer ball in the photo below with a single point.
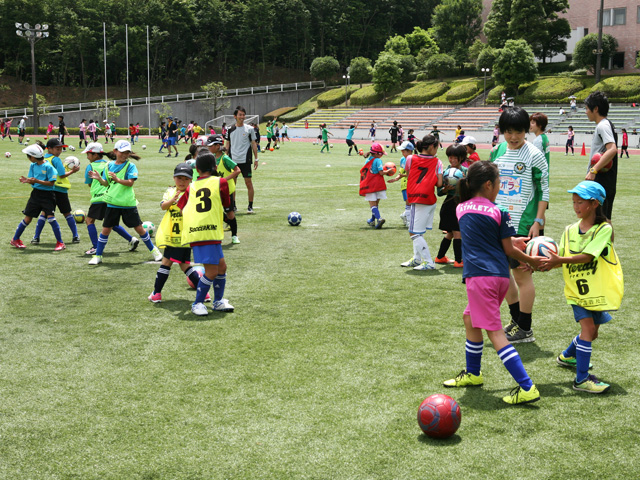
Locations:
(593, 279)
(487, 233)
(169, 235)
(372, 186)
(457, 154)
(424, 174)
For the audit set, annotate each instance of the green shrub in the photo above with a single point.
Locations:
(334, 96)
(423, 92)
(580, 71)
(494, 94)
(365, 96)
(462, 91)
(621, 88)
(297, 114)
(440, 65)
(551, 90)
(422, 76)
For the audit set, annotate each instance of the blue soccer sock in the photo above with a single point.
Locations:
(218, 287)
(473, 352)
(203, 288)
(122, 232)
(39, 226)
(583, 356)
(571, 349)
(375, 212)
(93, 234)
(102, 243)
(147, 241)
(71, 221)
(21, 226)
(513, 364)
(55, 226)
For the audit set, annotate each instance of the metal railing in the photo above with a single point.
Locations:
(179, 97)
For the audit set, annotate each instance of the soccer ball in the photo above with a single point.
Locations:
(389, 168)
(200, 270)
(439, 416)
(360, 152)
(294, 219)
(540, 246)
(149, 227)
(27, 139)
(144, 147)
(596, 159)
(72, 148)
(277, 147)
(25, 143)
(331, 145)
(452, 175)
(7, 154)
(71, 162)
(79, 215)
(271, 149)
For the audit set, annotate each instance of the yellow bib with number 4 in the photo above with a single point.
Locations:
(169, 232)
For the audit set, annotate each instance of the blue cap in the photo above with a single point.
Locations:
(590, 191)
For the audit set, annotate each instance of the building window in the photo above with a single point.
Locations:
(614, 16)
(638, 17)
(617, 61)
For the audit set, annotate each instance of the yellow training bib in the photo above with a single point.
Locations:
(203, 214)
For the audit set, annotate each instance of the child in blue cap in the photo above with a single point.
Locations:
(593, 279)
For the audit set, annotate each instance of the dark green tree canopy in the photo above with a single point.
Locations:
(456, 25)
(583, 56)
(515, 64)
(323, 68)
(360, 70)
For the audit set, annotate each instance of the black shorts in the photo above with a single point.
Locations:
(81, 134)
(350, 142)
(97, 210)
(40, 201)
(177, 254)
(62, 202)
(129, 215)
(394, 139)
(448, 218)
(513, 263)
(285, 135)
(245, 169)
(232, 204)
(22, 132)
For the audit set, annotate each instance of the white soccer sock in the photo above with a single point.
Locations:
(421, 249)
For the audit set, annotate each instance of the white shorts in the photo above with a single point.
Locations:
(373, 196)
(421, 218)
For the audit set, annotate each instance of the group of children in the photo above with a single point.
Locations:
(497, 206)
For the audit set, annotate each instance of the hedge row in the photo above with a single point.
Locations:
(297, 114)
(624, 88)
(423, 92)
(277, 113)
(551, 90)
(334, 97)
(365, 96)
(462, 91)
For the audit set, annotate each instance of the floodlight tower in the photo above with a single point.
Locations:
(33, 34)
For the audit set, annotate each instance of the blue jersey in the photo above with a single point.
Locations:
(376, 166)
(350, 133)
(57, 164)
(45, 172)
(483, 225)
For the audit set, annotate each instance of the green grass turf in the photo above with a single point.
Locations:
(320, 371)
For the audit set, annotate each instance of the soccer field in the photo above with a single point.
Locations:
(319, 372)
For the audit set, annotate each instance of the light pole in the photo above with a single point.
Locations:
(484, 92)
(38, 32)
(346, 88)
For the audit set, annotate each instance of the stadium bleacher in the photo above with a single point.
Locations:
(329, 116)
(413, 117)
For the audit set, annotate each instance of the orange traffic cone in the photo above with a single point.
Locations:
(584, 151)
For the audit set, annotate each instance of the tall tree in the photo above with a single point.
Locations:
(515, 65)
(456, 24)
(496, 28)
(584, 56)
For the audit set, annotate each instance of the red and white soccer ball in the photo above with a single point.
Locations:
(7, 154)
(439, 416)
(541, 246)
(200, 270)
